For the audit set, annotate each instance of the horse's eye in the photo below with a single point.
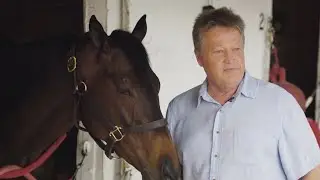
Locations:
(124, 86)
(126, 92)
(124, 80)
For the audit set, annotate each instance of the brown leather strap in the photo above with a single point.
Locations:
(106, 147)
(148, 126)
(109, 149)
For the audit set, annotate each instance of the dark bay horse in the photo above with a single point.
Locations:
(104, 81)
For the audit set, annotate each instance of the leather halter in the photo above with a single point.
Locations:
(118, 132)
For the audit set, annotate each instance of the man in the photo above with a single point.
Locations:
(234, 126)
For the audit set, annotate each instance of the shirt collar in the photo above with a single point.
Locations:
(250, 86)
(247, 87)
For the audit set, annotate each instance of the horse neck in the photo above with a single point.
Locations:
(38, 97)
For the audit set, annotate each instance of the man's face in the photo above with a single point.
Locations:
(221, 54)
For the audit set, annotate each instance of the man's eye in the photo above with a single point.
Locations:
(218, 51)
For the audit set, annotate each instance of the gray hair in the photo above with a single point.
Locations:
(210, 18)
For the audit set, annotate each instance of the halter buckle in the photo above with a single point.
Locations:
(114, 136)
(72, 64)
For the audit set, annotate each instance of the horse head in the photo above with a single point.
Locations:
(119, 102)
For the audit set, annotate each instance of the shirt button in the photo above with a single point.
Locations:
(218, 132)
(216, 155)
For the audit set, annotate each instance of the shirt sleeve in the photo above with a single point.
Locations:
(170, 117)
(298, 148)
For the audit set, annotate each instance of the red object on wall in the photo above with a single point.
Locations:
(315, 129)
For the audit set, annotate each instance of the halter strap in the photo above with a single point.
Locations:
(118, 133)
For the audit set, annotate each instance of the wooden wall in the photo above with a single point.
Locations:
(28, 20)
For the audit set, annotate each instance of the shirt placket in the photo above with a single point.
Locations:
(215, 149)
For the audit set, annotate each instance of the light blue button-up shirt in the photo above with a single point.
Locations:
(260, 134)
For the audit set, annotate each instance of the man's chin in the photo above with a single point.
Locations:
(233, 81)
(234, 74)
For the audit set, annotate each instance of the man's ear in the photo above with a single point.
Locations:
(198, 57)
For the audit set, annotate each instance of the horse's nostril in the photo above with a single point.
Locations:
(167, 169)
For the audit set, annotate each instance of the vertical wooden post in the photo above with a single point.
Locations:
(317, 109)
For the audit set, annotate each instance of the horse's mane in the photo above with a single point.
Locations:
(26, 66)
(132, 47)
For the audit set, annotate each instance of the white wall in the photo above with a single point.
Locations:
(169, 44)
(256, 49)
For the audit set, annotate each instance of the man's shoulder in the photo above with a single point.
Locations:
(186, 98)
(269, 87)
(181, 105)
(269, 90)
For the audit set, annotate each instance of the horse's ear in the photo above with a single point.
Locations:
(140, 30)
(96, 31)
(207, 8)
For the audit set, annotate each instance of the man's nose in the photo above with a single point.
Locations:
(228, 56)
(168, 171)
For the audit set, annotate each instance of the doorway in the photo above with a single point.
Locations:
(297, 39)
(24, 21)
